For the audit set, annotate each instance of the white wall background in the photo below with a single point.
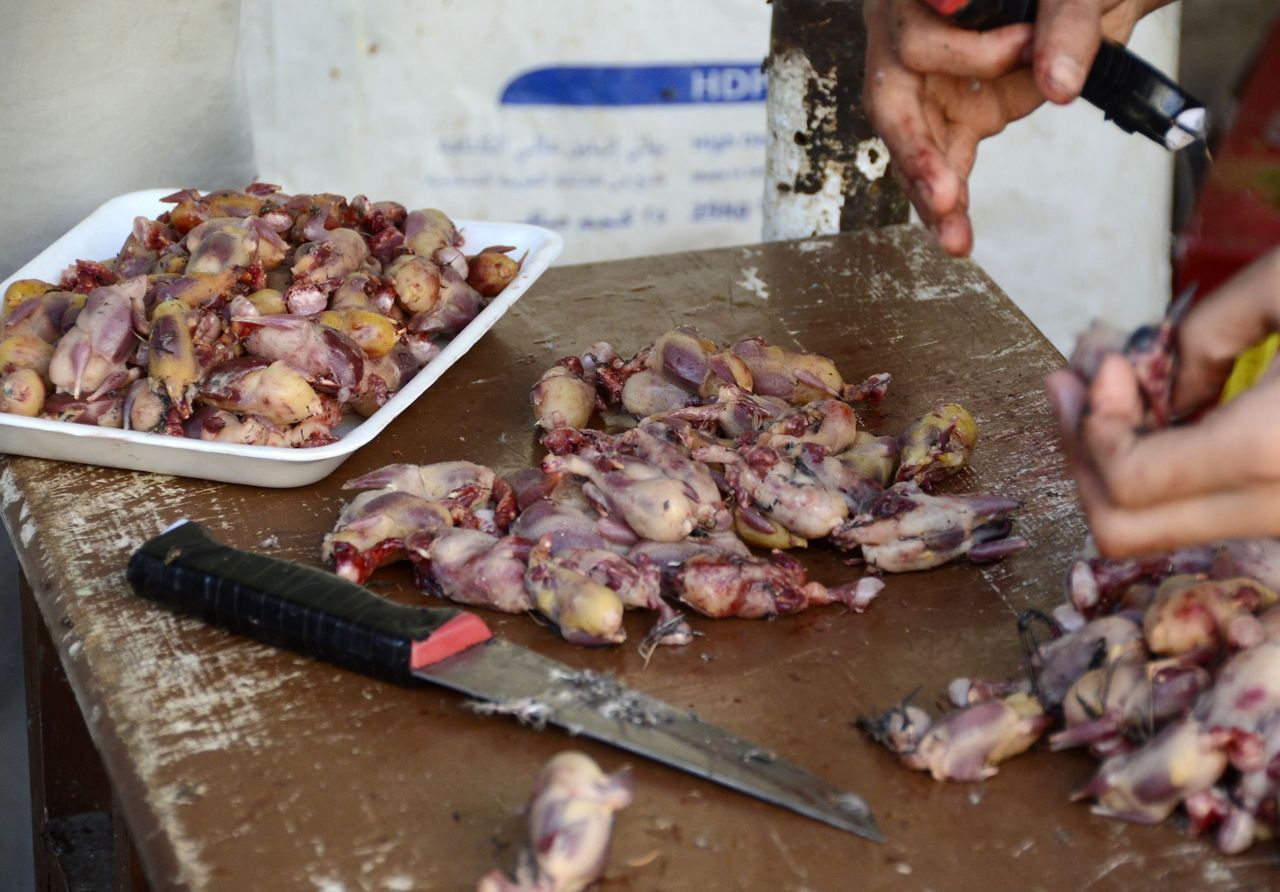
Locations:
(398, 99)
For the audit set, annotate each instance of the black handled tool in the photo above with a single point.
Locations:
(320, 614)
(1130, 91)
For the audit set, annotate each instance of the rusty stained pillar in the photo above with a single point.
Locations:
(826, 171)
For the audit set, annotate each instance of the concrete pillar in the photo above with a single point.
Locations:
(826, 171)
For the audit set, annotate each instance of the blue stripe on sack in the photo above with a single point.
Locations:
(596, 85)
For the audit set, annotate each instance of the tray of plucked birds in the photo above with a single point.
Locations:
(247, 336)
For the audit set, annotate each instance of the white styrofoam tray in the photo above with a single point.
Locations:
(100, 236)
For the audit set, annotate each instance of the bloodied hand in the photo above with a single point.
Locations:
(1216, 476)
(933, 91)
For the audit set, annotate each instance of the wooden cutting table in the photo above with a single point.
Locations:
(238, 766)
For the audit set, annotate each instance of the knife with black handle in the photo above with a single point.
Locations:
(319, 614)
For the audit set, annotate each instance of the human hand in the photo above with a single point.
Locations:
(934, 91)
(1217, 477)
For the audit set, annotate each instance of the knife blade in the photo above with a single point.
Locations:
(320, 614)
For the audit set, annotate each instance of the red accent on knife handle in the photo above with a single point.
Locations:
(463, 631)
(983, 15)
(947, 7)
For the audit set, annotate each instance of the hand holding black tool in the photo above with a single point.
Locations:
(1130, 92)
(934, 90)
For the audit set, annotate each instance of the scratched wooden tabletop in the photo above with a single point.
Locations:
(243, 767)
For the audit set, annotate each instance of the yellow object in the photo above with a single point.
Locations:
(269, 302)
(22, 291)
(1250, 366)
(374, 332)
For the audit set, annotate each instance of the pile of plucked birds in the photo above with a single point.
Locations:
(1166, 667)
(722, 451)
(245, 316)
